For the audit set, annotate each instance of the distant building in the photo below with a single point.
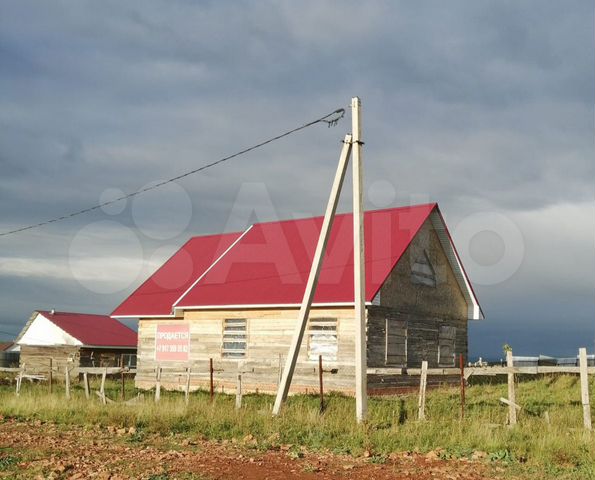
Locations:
(74, 339)
(8, 358)
(235, 298)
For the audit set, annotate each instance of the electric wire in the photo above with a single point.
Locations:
(331, 119)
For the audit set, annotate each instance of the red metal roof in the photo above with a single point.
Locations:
(270, 264)
(157, 295)
(93, 330)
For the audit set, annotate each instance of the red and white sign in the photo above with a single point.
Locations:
(172, 342)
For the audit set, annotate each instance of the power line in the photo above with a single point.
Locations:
(336, 115)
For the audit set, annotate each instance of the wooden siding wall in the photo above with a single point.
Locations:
(422, 308)
(103, 357)
(443, 300)
(422, 344)
(422, 336)
(417, 310)
(36, 359)
(269, 334)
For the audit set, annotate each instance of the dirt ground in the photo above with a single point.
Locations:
(40, 450)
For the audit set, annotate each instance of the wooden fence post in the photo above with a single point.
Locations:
(582, 355)
(123, 380)
(102, 387)
(511, 394)
(158, 384)
(20, 380)
(239, 391)
(86, 382)
(187, 391)
(462, 365)
(423, 380)
(50, 375)
(211, 381)
(67, 381)
(320, 382)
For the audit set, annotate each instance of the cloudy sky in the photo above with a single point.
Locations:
(486, 107)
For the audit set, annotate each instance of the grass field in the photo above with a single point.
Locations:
(532, 449)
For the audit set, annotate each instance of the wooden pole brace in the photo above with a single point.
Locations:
(511, 404)
(304, 312)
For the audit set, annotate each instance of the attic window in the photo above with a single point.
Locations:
(234, 338)
(422, 271)
(322, 339)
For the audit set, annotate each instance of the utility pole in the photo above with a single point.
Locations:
(351, 145)
(359, 270)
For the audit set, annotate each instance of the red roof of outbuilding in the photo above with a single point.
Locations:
(270, 264)
(157, 295)
(93, 330)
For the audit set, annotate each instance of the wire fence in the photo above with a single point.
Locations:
(207, 375)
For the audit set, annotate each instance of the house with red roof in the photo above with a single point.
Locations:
(74, 340)
(235, 297)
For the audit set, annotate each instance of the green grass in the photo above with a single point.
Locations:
(532, 449)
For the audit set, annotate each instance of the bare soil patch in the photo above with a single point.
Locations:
(34, 449)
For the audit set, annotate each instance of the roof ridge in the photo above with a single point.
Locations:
(56, 312)
(378, 210)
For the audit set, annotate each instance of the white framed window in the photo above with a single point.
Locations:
(322, 339)
(446, 345)
(234, 338)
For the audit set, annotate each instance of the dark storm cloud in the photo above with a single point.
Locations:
(479, 105)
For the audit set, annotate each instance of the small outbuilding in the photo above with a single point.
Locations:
(74, 339)
(8, 358)
(235, 298)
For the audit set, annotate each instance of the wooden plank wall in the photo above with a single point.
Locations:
(422, 336)
(403, 292)
(36, 359)
(416, 309)
(423, 307)
(269, 334)
(102, 357)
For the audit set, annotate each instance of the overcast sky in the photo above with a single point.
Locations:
(486, 107)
